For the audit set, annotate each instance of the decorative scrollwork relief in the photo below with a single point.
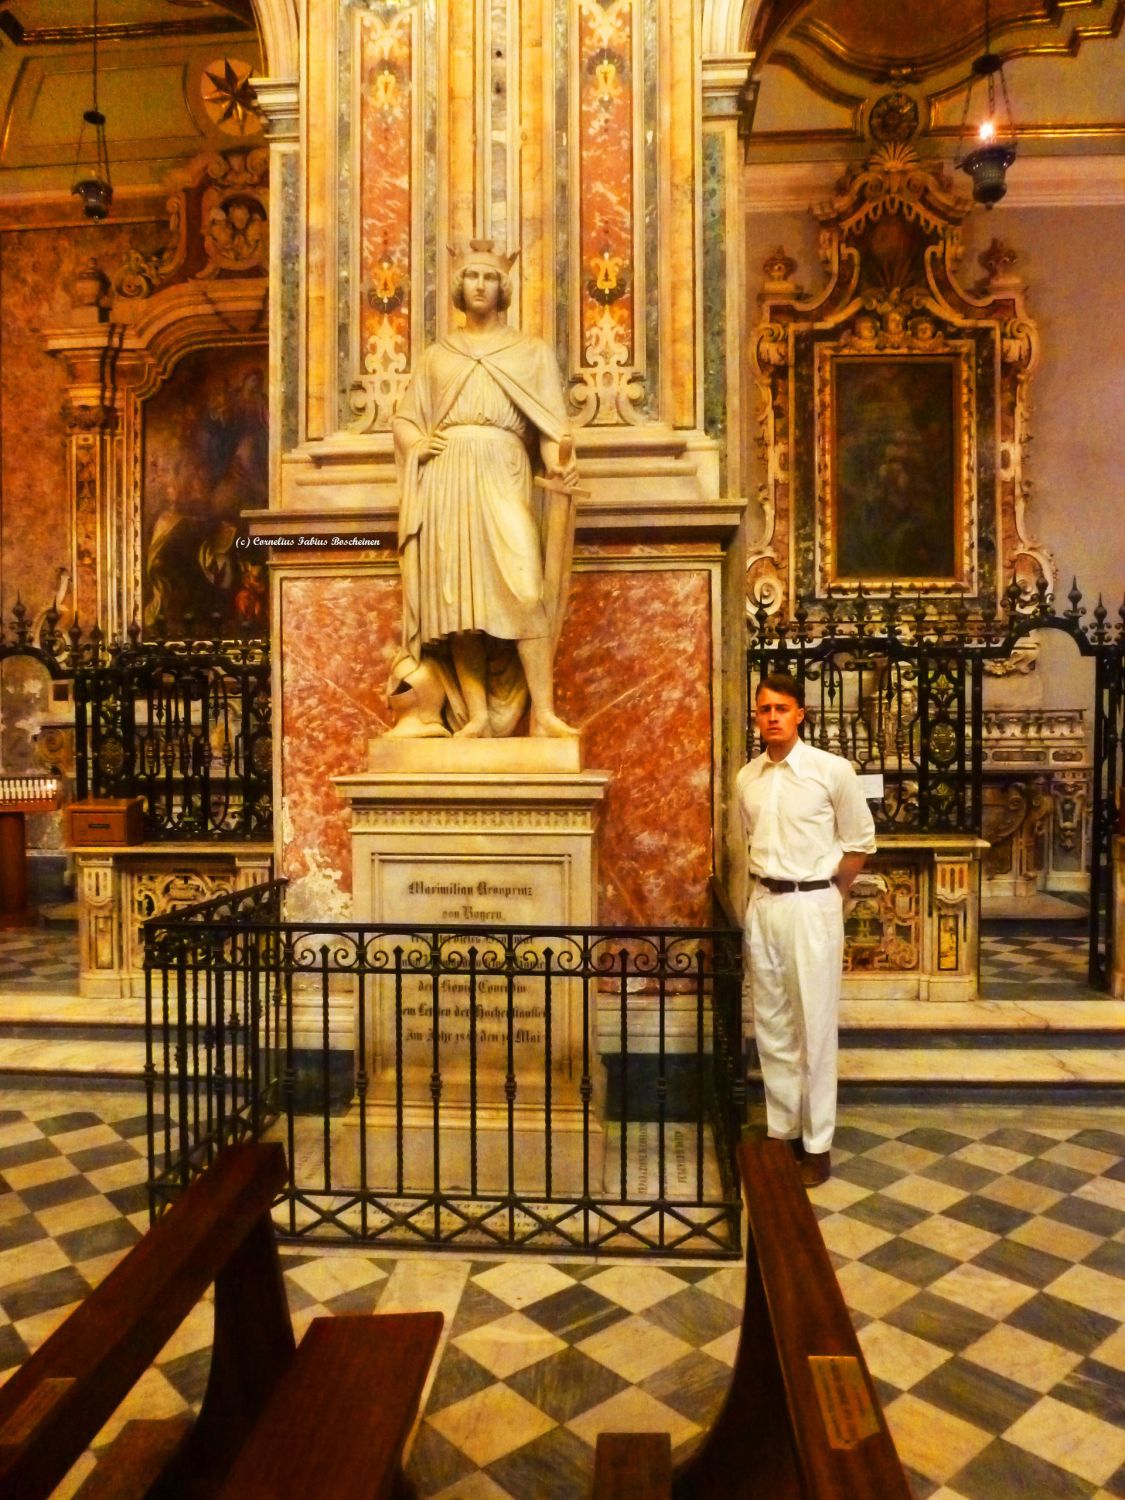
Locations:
(883, 921)
(894, 333)
(164, 891)
(375, 395)
(608, 389)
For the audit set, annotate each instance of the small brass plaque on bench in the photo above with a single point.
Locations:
(845, 1403)
(32, 1409)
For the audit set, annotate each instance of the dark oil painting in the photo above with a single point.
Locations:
(206, 459)
(896, 457)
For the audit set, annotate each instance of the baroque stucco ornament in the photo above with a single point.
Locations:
(893, 312)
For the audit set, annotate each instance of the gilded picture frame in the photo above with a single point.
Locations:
(893, 381)
(897, 500)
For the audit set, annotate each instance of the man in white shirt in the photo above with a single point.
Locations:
(808, 834)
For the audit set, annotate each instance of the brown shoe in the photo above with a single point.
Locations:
(816, 1167)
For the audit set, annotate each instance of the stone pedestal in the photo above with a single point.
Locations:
(446, 835)
(121, 886)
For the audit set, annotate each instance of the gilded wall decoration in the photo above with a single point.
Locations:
(883, 923)
(197, 281)
(206, 449)
(38, 269)
(227, 99)
(889, 460)
(217, 226)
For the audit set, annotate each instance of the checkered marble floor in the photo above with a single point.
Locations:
(981, 1252)
(39, 958)
(1046, 958)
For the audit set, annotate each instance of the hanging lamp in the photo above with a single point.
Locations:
(988, 162)
(92, 181)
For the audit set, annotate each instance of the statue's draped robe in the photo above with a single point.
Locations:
(470, 549)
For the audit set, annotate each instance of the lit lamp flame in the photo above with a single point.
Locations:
(987, 163)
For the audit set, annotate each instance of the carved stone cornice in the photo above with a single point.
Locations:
(280, 103)
(729, 92)
(1031, 739)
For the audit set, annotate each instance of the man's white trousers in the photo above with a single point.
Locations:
(794, 950)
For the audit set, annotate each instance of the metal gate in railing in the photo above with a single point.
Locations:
(184, 725)
(897, 685)
(555, 1089)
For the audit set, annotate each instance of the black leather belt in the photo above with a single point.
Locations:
(785, 887)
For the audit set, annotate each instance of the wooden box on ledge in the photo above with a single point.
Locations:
(105, 820)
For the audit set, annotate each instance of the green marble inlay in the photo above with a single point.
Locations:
(289, 293)
(345, 210)
(567, 360)
(650, 39)
(714, 295)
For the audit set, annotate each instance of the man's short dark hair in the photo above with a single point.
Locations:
(781, 682)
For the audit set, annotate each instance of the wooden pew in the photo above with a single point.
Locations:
(801, 1420)
(329, 1416)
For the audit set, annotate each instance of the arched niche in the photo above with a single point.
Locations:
(280, 37)
(203, 296)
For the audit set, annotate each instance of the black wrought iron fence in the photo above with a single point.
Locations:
(897, 685)
(184, 725)
(505, 1088)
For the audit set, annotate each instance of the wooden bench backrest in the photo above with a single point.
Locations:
(59, 1399)
(802, 1420)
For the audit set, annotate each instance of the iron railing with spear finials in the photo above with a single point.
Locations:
(897, 684)
(562, 1089)
(184, 724)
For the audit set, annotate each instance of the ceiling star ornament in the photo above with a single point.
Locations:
(229, 97)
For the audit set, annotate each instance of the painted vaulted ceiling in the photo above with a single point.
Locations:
(823, 65)
(172, 76)
(171, 81)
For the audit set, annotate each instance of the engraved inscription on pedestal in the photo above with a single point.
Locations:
(464, 889)
(474, 1044)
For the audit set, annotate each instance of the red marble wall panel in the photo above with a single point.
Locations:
(634, 672)
(386, 104)
(605, 154)
(338, 638)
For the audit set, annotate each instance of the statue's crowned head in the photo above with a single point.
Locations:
(481, 253)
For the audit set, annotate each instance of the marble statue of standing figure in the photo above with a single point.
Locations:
(484, 545)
